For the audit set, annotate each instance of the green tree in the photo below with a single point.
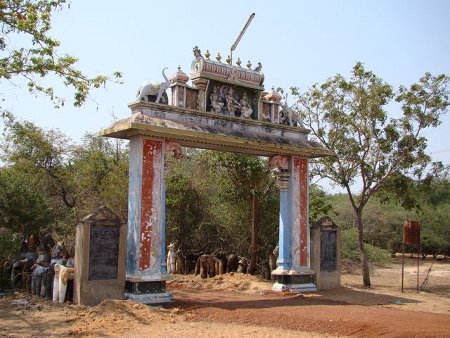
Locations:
(184, 210)
(350, 118)
(428, 200)
(382, 220)
(246, 185)
(28, 51)
(98, 174)
(39, 153)
(57, 182)
(319, 203)
(23, 208)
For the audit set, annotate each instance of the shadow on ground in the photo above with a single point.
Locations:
(194, 299)
(352, 296)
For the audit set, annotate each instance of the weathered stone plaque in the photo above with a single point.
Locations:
(328, 250)
(100, 250)
(103, 252)
(326, 256)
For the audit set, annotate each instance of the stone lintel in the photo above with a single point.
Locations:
(145, 106)
(197, 129)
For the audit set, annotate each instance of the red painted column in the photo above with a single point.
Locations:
(152, 152)
(299, 199)
(302, 166)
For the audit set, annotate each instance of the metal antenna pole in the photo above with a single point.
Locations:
(233, 47)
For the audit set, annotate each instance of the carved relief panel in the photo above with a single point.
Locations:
(231, 101)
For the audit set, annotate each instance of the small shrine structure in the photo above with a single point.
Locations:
(224, 108)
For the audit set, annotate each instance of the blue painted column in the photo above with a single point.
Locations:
(280, 165)
(284, 256)
(292, 272)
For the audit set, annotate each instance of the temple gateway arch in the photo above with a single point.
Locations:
(223, 108)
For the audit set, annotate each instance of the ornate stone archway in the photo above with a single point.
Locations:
(224, 109)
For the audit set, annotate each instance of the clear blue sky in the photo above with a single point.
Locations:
(298, 43)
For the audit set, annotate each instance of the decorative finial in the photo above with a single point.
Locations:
(218, 57)
(179, 77)
(207, 54)
(197, 53)
(228, 60)
(238, 62)
(259, 68)
(249, 64)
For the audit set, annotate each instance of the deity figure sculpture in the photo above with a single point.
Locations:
(216, 101)
(246, 109)
(232, 103)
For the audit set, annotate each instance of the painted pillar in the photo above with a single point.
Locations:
(284, 257)
(280, 165)
(300, 224)
(293, 265)
(146, 262)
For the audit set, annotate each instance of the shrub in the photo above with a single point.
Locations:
(9, 248)
(9, 244)
(350, 249)
(433, 245)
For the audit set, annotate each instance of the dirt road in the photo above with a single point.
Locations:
(309, 314)
(243, 306)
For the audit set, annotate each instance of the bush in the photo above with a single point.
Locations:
(9, 244)
(9, 248)
(350, 249)
(433, 245)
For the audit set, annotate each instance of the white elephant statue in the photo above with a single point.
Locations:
(154, 91)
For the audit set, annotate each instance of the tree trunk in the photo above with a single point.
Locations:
(362, 253)
(254, 236)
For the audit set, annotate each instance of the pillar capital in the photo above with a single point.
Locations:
(279, 164)
(173, 149)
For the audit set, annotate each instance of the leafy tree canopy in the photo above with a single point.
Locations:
(28, 51)
(350, 117)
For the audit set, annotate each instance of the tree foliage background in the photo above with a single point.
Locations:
(28, 52)
(216, 200)
(371, 147)
(48, 183)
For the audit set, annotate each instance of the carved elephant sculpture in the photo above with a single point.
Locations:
(207, 266)
(221, 263)
(232, 263)
(190, 263)
(154, 91)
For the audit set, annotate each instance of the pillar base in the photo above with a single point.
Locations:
(147, 292)
(294, 283)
